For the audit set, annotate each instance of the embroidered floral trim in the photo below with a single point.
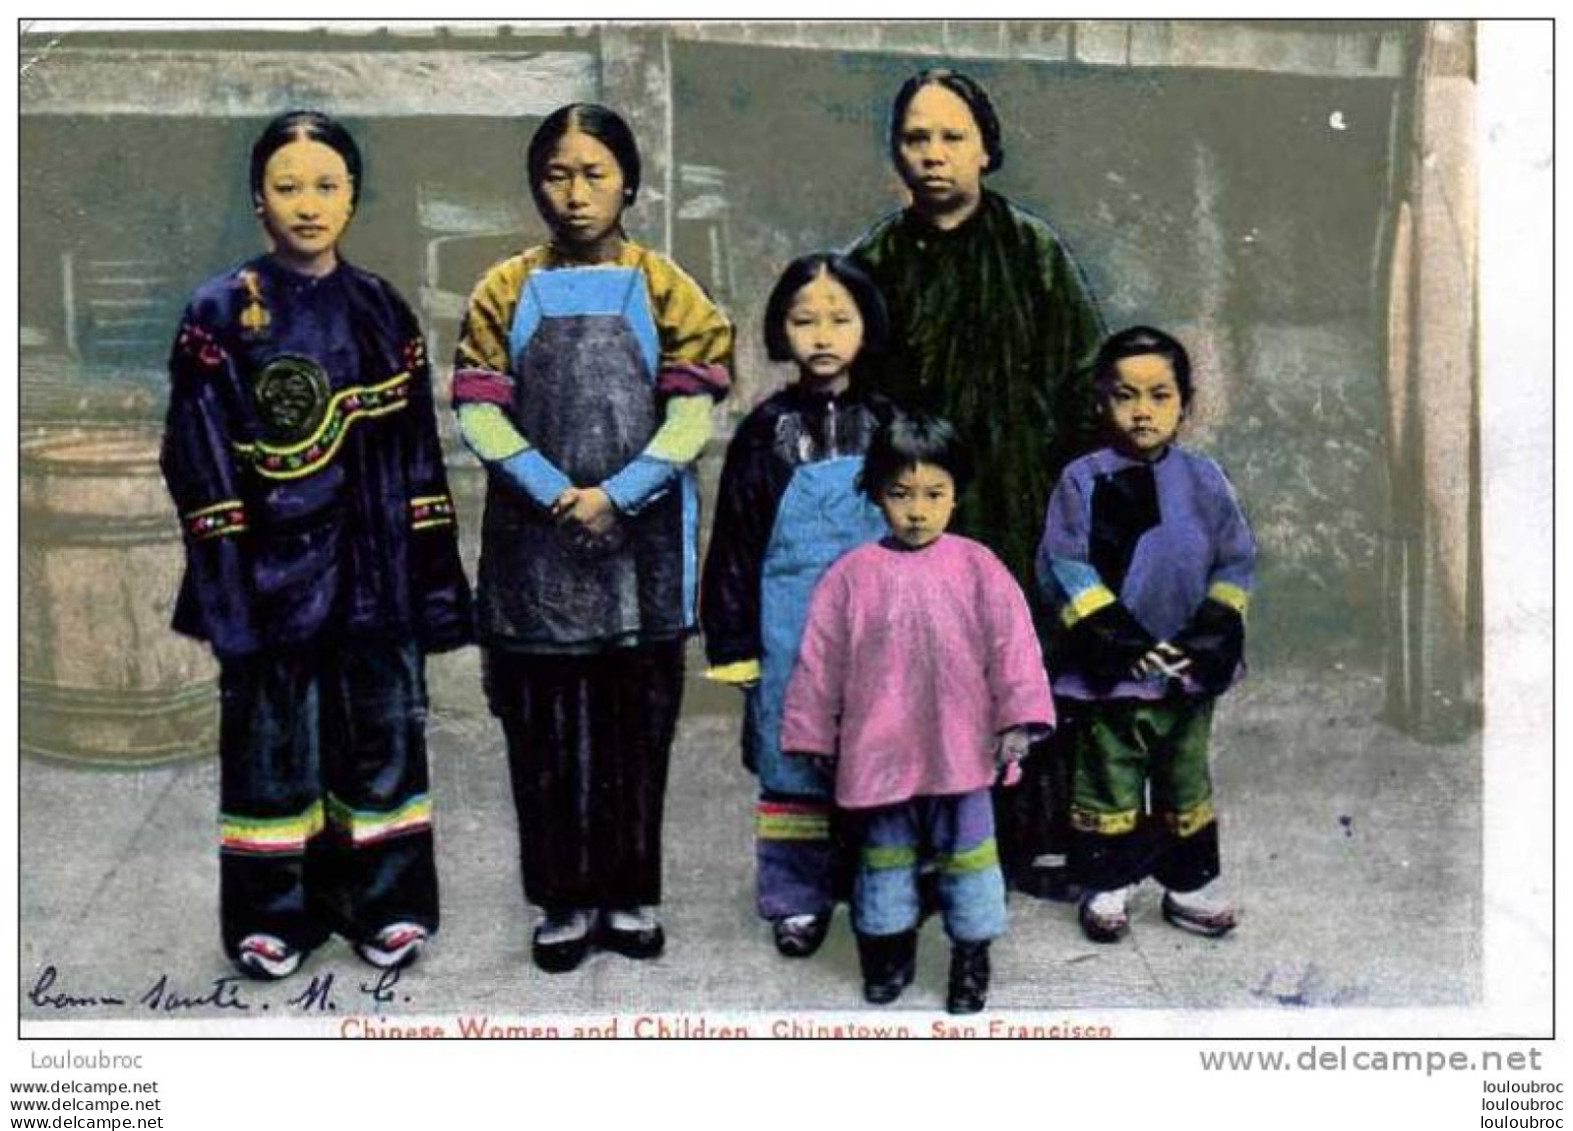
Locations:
(310, 455)
(199, 345)
(436, 510)
(216, 521)
(1105, 824)
(1189, 822)
(362, 827)
(787, 821)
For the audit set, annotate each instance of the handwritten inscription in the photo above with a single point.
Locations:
(164, 995)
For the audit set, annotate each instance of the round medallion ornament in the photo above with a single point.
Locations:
(291, 394)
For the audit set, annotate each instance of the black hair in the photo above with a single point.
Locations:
(1138, 341)
(963, 87)
(588, 118)
(305, 125)
(804, 270)
(908, 440)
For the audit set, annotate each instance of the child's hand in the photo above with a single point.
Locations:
(1012, 746)
(1162, 659)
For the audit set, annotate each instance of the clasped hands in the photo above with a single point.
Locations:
(588, 508)
(1162, 659)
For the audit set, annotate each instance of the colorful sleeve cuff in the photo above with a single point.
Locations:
(1236, 597)
(684, 431)
(482, 386)
(639, 484)
(431, 511)
(1085, 604)
(742, 673)
(489, 433)
(536, 476)
(685, 379)
(220, 520)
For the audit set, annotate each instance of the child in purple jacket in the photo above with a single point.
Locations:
(918, 678)
(1149, 562)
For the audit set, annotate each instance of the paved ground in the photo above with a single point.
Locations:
(1355, 853)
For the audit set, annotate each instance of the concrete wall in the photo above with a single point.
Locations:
(1233, 181)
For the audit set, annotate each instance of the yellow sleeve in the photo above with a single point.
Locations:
(483, 338)
(693, 330)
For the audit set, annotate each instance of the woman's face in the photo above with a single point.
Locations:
(824, 331)
(306, 201)
(581, 190)
(940, 153)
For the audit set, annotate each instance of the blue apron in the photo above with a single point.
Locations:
(584, 351)
(822, 515)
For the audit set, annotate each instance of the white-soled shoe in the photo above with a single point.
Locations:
(1206, 911)
(396, 945)
(267, 957)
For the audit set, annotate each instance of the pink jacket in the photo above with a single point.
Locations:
(912, 662)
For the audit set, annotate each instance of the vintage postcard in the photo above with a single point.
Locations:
(440, 417)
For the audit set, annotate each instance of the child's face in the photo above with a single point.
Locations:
(306, 201)
(1144, 405)
(918, 504)
(824, 331)
(582, 190)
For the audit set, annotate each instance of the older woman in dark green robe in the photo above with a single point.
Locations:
(993, 327)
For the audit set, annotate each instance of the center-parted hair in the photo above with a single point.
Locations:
(605, 125)
(905, 442)
(1139, 341)
(305, 125)
(804, 270)
(963, 87)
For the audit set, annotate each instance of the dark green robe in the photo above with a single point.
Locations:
(994, 328)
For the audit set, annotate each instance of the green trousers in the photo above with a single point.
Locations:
(1130, 751)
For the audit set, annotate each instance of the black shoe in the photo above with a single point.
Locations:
(560, 956)
(639, 943)
(1052, 883)
(969, 977)
(800, 936)
(889, 962)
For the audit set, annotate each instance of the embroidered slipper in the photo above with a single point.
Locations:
(395, 946)
(267, 957)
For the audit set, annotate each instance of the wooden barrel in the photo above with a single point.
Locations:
(104, 679)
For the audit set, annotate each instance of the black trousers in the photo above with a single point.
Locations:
(324, 806)
(589, 742)
(1032, 818)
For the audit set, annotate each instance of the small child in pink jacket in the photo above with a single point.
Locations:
(919, 677)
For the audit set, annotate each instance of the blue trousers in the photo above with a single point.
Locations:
(954, 835)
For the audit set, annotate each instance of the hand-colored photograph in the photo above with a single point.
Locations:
(774, 528)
